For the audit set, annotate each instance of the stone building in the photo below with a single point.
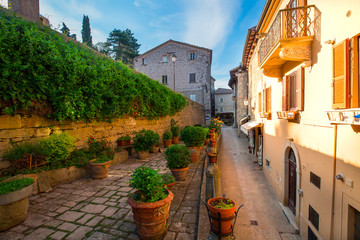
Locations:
(182, 67)
(224, 101)
(303, 93)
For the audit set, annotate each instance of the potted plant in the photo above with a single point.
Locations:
(212, 157)
(167, 138)
(155, 141)
(227, 208)
(150, 203)
(206, 130)
(212, 142)
(177, 157)
(14, 202)
(193, 138)
(124, 141)
(143, 143)
(176, 133)
(169, 180)
(99, 167)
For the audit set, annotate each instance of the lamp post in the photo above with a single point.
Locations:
(173, 59)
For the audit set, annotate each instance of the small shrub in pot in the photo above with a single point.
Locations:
(167, 138)
(177, 157)
(143, 142)
(193, 136)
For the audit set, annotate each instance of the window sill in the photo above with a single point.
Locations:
(266, 115)
(289, 115)
(344, 116)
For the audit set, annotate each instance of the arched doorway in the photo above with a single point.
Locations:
(292, 181)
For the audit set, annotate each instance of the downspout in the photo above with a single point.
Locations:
(333, 185)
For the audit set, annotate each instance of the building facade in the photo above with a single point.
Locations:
(182, 67)
(303, 92)
(224, 101)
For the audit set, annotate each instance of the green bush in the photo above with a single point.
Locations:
(177, 156)
(207, 132)
(175, 130)
(124, 138)
(57, 148)
(20, 150)
(79, 158)
(145, 140)
(44, 74)
(168, 178)
(167, 135)
(193, 136)
(12, 186)
(149, 183)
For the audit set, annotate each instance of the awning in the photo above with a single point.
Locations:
(245, 128)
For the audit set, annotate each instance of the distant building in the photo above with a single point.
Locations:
(224, 101)
(27, 9)
(182, 67)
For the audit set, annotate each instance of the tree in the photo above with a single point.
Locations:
(65, 30)
(73, 36)
(123, 45)
(86, 31)
(103, 47)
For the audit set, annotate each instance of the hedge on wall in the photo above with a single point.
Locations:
(41, 72)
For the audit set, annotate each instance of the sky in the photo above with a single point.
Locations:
(220, 25)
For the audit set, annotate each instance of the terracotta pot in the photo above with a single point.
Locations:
(212, 130)
(194, 154)
(175, 140)
(155, 149)
(212, 142)
(179, 173)
(225, 214)
(169, 185)
(127, 142)
(167, 143)
(143, 155)
(121, 143)
(206, 142)
(211, 135)
(99, 170)
(151, 217)
(212, 157)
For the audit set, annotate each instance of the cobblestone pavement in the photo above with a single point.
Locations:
(98, 209)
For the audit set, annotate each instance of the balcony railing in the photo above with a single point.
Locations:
(289, 23)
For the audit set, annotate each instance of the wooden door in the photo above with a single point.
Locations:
(292, 182)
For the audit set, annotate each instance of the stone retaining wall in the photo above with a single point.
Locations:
(21, 128)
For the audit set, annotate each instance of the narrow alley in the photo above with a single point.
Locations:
(243, 180)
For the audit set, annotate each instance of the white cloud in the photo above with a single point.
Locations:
(209, 21)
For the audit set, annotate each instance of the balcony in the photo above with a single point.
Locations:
(344, 116)
(289, 39)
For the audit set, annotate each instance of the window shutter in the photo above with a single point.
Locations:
(285, 84)
(340, 75)
(259, 102)
(269, 100)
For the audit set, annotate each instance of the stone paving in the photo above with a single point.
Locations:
(98, 209)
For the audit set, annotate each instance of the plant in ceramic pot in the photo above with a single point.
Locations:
(177, 157)
(193, 137)
(169, 180)
(176, 134)
(150, 203)
(155, 138)
(14, 202)
(167, 138)
(207, 132)
(212, 157)
(143, 143)
(227, 208)
(99, 167)
(124, 141)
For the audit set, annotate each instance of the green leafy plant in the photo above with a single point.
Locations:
(193, 136)
(103, 159)
(222, 204)
(197, 125)
(78, 158)
(42, 73)
(177, 156)
(168, 178)
(20, 150)
(149, 185)
(207, 132)
(167, 135)
(57, 148)
(145, 140)
(124, 138)
(175, 130)
(12, 186)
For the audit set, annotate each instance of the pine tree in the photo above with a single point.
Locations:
(86, 31)
(65, 30)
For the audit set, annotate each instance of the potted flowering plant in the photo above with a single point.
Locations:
(101, 155)
(150, 203)
(216, 123)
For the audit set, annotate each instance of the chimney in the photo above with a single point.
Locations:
(28, 9)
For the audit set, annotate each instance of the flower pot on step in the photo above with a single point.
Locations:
(151, 217)
(99, 170)
(212, 157)
(227, 215)
(179, 173)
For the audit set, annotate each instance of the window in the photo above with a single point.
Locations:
(311, 234)
(192, 56)
(192, 77)
(164, 59)
(345, 76)
(164, 79)
(315, 179)
(144, 61)
(314, 217)
(293, 91)
(193, 97)
(353, 223)
(221, 109)
(221, 100)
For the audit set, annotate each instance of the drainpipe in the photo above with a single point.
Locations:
(333, 185)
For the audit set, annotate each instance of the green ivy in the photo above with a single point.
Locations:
(42, 73)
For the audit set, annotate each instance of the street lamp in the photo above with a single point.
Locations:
(173, 59)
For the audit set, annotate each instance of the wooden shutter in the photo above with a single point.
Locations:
(268, 100)
(340, 75)
(302, 83)
(284, 93)
(355, 72)
(259, 102)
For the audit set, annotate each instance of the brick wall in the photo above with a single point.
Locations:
(31, 128)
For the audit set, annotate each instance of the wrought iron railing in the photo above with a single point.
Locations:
(289, 23)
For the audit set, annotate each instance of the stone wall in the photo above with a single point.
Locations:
(32, 128)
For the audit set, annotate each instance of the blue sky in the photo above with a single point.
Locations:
(220, 25)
